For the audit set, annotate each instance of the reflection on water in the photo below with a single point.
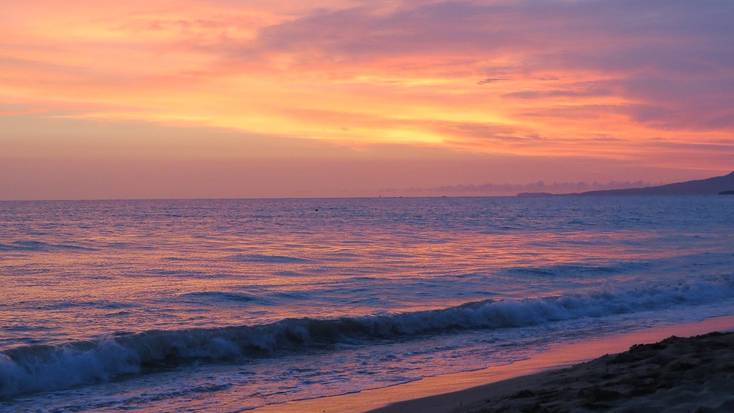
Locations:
(77, 271)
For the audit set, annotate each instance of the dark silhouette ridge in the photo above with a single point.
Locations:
(534, 194)
(711, 186)
(727, 192)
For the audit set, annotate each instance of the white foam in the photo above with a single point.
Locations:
(41, 368)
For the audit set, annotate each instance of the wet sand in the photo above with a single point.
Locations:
(483, 390)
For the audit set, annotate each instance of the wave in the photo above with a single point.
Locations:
(267, 259)
(43, 368)
(562, 270)
(39, 246)
(56, 305)
(214, 297)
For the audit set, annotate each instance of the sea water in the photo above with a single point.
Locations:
(228, 305)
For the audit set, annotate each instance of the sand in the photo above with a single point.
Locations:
(693, 374)
(482, 390)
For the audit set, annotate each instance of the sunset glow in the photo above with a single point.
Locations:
(367, 95)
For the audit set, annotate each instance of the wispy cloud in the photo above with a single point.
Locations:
(554, 78)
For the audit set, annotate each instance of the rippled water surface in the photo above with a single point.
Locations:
(232, 304)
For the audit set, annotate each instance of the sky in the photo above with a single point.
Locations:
(272, 98)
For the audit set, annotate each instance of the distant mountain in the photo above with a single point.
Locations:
(710, 186)
(534, 194)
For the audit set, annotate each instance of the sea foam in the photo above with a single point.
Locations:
(41, 368)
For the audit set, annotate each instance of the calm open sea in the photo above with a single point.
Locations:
(227, 305)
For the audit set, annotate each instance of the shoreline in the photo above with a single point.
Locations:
(681, 374)
(447, 393)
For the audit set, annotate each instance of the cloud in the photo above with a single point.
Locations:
(671, 61)
(489, 80)
(572, 90)
(640, 81)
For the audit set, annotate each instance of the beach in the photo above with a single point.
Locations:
(633, 371)
(340, 206)
(675, 374)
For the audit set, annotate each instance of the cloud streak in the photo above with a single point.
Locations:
(649, 82)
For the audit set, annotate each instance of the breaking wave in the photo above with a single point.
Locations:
(42, 368)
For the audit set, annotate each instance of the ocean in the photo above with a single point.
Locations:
(228, 305)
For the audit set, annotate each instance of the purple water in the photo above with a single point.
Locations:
(225, 305)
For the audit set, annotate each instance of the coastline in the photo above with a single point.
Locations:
(461, 391)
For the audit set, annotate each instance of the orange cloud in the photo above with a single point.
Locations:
(516, 78)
